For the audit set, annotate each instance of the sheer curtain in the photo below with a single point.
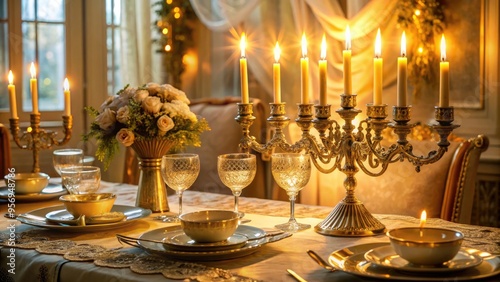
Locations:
(266, 22)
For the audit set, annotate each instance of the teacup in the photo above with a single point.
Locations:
(426, 246)
(210, 225)
(88, 204)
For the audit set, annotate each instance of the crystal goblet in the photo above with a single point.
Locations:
(81, 179)
(237, 171)
(292, 172)
(66, 158)
(179, 171)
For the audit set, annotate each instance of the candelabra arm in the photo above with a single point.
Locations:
(67, 130)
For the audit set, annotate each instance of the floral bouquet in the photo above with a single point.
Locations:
(148, 112)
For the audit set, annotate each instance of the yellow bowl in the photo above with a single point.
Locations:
(88, 204)
(210, 225)
(27, 182)
(426, 246)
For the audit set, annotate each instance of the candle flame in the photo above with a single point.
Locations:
(33, 70)
(66, 84)
(304, 45)
(277, 52)
(443, 48)
(29, 129)
(347, 38)
(10, 77)
(423, 219)
(243, 45)
(323, 48)
(403, 45)
(378, 45)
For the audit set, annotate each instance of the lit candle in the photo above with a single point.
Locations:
(347, 63)
(12, 96)
(402, 64)
(34, 89)
(304, 72)
(377, 71)
(444, 82)
(277, 75)
(423, 219)
(322, 73)
(67, 98)
(243, 71)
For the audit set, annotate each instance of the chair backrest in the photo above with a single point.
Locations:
(224, 137)
(5, 153)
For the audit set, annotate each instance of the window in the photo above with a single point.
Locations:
(113, 44)
(4, 55)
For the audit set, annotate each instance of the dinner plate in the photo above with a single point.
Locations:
(178, 240)
(53, 190)
(256, 239)
(352, 260)
(387, 257)
(37, 218)
(64, 217)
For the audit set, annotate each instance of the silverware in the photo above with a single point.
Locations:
(296, 276)
(319, 260)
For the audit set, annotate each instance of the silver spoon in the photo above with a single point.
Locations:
(319, 260)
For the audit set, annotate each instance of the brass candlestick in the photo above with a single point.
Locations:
(343, 148)
(36, 139)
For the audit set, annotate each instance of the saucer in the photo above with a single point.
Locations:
(178, 240)
(387, 257)
(64, 217)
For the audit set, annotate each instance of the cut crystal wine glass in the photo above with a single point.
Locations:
(237, 171)
(292, 172)
(179, 171)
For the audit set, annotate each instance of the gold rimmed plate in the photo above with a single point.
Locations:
(178, 240)
(37, 218)
(50, 192)
(386, 256)
(352, 260)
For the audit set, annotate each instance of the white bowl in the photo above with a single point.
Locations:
(210, 225)
(88, 204)
(426, 246)
(27, 182)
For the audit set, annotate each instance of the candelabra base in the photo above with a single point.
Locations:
(350, 218)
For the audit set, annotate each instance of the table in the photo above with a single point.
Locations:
(267, 264)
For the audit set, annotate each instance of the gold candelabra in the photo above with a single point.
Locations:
(348, 151)
(36, 139)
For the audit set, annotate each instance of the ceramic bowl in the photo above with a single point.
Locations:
(88, 204)
(27, 182)
(426, 246)
(210, 225)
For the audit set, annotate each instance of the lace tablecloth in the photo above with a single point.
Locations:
(267, 264)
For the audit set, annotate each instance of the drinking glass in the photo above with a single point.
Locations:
(237, 171)
(292, 172)
(66, 158)
(179, 171)
(81, 179)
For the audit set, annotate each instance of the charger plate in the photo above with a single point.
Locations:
(52, 191)
(352, 260)
(37, 218)
(386, 256)
(256, 239)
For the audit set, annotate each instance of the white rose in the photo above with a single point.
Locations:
(152, 88)
(140, 95)
(106, 119)
(173, 93)
(128, 93)
(170, 109)
(123, 114)
(125, 136)
(107, 102)
(152, 104)
(164, 124)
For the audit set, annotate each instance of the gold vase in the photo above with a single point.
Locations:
(152, 192)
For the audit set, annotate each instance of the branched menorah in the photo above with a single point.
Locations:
(341, 147)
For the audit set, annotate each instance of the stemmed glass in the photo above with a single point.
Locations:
(179, 171)
(292, 172)
(81, 179)
(66, 158)
(237, 171)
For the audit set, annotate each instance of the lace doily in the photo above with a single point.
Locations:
(113, 258)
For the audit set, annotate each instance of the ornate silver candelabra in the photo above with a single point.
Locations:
(36, 139)
(348, 151)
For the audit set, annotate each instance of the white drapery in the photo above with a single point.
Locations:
(266, 22)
